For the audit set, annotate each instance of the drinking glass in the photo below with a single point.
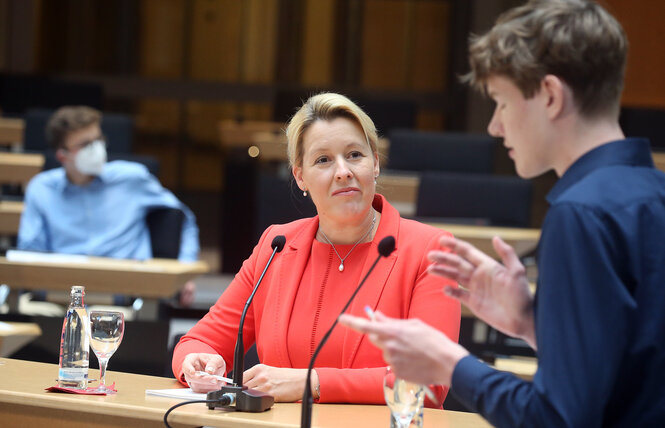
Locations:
(106, 331)
(403, 399)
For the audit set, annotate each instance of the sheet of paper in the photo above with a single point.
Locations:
(35, 256)
(181, 393)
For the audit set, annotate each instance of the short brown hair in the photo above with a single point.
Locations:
(575, 40)
(68, 119)
(326, 106)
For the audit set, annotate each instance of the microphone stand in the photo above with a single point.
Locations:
(386, 246)
(245, 399)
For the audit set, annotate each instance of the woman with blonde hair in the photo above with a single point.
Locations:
(332, 149)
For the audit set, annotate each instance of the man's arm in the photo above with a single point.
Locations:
(33, 231)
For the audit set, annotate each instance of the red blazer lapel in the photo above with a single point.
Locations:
(283, 288)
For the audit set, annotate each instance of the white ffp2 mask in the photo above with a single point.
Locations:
(90, 160)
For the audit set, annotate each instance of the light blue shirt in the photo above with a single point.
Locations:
(104, 218)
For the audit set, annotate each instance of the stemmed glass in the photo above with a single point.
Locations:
(403, 399)
(106, 331)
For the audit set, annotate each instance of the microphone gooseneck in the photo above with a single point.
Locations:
(386, 247)
(247, 399)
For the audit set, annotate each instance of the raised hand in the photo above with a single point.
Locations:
(496, 293)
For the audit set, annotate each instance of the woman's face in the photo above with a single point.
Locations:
(338, 169)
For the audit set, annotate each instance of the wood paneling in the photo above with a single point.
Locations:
(318, 42)
(161, 38)
(646, 56)
(215, 41)
(384, 44)
(429, 61)
(259, 45)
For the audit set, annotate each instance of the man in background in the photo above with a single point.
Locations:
(93, 207)
(597, 321)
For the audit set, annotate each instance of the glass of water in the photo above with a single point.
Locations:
(106, 331)
(404, 399)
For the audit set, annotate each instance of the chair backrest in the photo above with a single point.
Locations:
(644, 122)
(165, 225)
(441, 151)
(118, 129)
(20, 92)
(278, 200)
(475, 198)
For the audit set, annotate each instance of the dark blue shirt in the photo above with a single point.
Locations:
(599, 304)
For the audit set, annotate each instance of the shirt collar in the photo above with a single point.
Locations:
(63, 182)
(629, 152)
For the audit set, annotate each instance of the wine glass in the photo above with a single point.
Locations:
(106, 331)
(403, 398)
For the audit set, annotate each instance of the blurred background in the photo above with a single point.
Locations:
(179, 67)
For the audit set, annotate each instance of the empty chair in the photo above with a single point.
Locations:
(475, 198)
(441, 151)
(644, 122)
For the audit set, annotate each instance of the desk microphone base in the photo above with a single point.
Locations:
(246, 400)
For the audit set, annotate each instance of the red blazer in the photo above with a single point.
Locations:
(399, 287)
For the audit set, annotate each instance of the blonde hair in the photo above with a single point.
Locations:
(325, 106)
(575, 40)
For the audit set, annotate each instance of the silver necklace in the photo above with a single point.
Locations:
(341, 259)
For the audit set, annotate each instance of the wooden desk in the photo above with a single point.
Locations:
(150, 279)
(523, 240)
(19, 167)
(11, 131)
(523, 367)
(10, 217)
(659, 160)
(23, 402)
(13, 335)
(401, 190)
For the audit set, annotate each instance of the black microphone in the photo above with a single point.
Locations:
(386, 246)
(245, 399)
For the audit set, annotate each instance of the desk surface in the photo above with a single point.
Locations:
(13, 335)
(521, 239)
(20, 167)
(150, 278)
(23, 402)
(10, 217)
(11, 131)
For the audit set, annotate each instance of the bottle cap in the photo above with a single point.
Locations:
(78, 289)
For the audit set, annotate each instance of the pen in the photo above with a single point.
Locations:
(370, 313)
(218, 377)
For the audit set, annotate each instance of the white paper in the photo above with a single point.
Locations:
(5, 327)
(181, 393)
(35, 256)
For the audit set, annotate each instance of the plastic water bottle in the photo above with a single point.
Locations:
(75, 343)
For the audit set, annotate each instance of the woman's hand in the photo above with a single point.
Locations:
(209, 363)
(286, 385)
(496, 293)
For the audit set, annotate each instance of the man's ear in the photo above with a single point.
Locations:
(60, 155)
(556, 93)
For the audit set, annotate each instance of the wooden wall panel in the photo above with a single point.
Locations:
(318, 43)
(646, 54)
(384, 44)
(215, 40)
(161, 38)
(259, 41)
(4, 33)
(429, 61)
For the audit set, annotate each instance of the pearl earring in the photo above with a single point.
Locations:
(304, 193)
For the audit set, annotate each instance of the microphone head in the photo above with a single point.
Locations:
(387, 246)
(279, 241)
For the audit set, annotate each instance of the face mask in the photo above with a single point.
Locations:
(90, 160)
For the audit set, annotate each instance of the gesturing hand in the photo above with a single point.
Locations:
(496, 293)
(285, 384)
